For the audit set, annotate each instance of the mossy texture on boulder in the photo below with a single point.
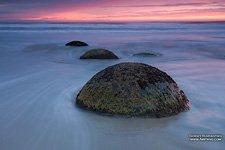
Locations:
(76, 43)
(133, 89)
(98, 54)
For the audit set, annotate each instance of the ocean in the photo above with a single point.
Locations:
(40, 78)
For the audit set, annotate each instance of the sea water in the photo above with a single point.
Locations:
(40, 78)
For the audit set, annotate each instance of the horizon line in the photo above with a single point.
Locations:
(53, 21)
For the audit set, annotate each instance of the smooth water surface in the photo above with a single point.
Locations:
(40, 77)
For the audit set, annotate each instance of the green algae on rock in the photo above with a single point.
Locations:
(133, 89)
(98, 54)
(76, 43)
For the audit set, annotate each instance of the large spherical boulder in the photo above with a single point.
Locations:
(76, 43)
(98, 54)
(133, 89)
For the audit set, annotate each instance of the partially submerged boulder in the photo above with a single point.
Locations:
(76, 43)
(133, 89)
(98, 54)
(146, 54)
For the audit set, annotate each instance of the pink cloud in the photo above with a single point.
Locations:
(117, 10)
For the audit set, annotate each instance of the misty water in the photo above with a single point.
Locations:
(40, 78)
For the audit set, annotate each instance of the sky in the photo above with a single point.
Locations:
(112, 10)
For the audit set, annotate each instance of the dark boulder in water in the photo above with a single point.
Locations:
(133, 89)
(76, 43)
(98, 54)
(147, 54)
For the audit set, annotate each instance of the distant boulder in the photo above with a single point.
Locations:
(76, 43)
(147, 54)
(98, 54)
(133, 89)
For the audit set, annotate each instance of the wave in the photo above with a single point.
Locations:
(108, 26)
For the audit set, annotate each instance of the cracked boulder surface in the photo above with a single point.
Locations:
(133, 89)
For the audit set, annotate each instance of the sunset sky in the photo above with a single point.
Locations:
(112, 10)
